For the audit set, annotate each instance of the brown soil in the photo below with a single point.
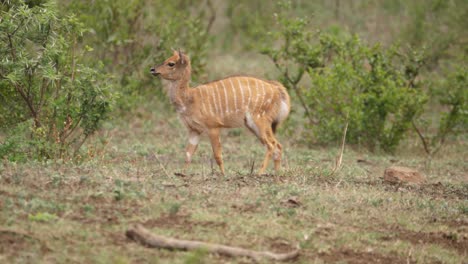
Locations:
(358, 257)
(12, 243)
(436, 190)
(280, 245)
(246, 208)
(459, 224)
(456, 241)
(445, 191)
(180, 221)
(103, 215)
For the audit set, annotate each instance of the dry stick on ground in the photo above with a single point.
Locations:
(145, 237)
(252, 167)
(161, 165)
(339, 158)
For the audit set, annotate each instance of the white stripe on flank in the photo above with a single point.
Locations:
(202, 100)
(219, 100)
(250, 93)
(257, 94)
(213, 91)
(225, 96)
(242, 92)
(263, 96)
(209, 103)
(234, 92)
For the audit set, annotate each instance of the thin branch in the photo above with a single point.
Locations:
(212, 17)
(73, 61)
(294, 87)
(41, 96)
(29, 104)
(78, 146)
(163, 168)
(448, 127)
(18, 27)
(12, 49)
(423, 139)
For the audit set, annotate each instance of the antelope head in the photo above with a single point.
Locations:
(173, 68)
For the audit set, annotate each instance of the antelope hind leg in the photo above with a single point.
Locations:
(216, 146)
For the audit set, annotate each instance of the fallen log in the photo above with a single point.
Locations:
(142, 235)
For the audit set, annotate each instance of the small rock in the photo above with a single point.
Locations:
(397, 174)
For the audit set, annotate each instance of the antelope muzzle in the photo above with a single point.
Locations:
(154, 72)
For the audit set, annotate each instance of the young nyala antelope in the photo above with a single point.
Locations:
(235, 101)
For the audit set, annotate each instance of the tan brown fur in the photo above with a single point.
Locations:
(236, 101)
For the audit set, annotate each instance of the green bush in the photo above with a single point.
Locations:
(43, 79)
(370, 87)
(366, 86)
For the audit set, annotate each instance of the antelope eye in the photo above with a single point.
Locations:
(171, 64)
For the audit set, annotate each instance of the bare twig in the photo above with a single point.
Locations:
(339, 158)
(12, 48)
(408, 259)
(79, 144)
(423, 139)
(161, 165)
(143, 236)
(212, 167)
(293, 82)
(29, 103)
(252, 167)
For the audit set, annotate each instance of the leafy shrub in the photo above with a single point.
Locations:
(367, 86)
(43, 79)
(370, 87)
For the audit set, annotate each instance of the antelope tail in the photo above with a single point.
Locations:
(284, 107)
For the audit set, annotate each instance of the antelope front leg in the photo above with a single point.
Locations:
(216, 146)
(194, 138)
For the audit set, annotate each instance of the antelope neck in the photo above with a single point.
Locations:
(179, 93)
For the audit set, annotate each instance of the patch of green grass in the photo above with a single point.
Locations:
(42, 217)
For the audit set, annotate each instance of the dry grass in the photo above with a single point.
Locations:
(78, 213)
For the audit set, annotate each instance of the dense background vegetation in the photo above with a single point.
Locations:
(400, 68)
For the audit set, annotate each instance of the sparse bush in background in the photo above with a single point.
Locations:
(369, 86)
(452, 97)
(50, 102)
(131, 36)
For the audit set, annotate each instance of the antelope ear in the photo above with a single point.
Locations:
(174, 52)
(181, 57)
